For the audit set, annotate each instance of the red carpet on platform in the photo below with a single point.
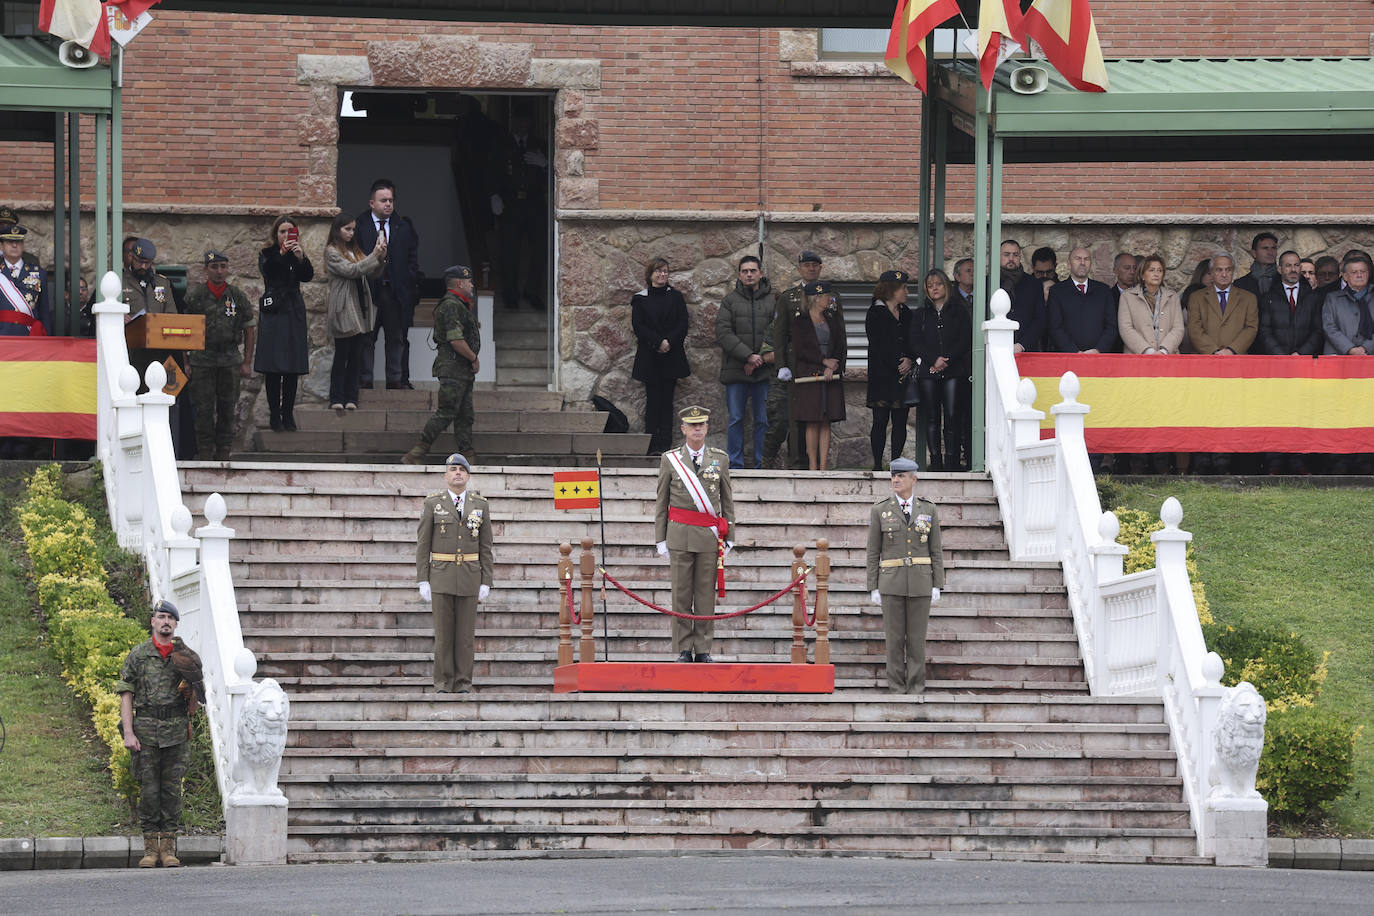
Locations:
(704, 677)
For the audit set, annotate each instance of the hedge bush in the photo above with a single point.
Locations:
(1308, 762)
(1283, 668)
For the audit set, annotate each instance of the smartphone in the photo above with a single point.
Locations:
(293, 234)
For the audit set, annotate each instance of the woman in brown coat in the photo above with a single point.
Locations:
(1149, 317)
(818, 353)
(350, 307)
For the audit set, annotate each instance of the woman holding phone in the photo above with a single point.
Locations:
(283, 344)
(349, 306)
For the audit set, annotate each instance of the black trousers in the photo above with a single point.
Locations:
(658, 414)
(393, 322)
(944, 400)
(281, 394)
(877, 435)
(346, 373)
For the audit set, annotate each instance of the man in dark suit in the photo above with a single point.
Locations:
(1027, 299)
(396, 290)
(1082, 316)
(1290, 324)
(521, 207)
(1263, 274)
(1124, 267)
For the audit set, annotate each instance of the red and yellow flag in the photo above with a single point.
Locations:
(1000, 31)
(1213, 404)
(47, 387)
(911, 23)
(1068, 35)
(576, 489)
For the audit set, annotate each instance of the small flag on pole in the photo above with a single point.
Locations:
(911, 23)
(1068, 36)
(576, 489)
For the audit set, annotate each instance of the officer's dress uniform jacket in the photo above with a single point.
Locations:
(32, 283)
(904, 562)
(453, 554)
(692, 549)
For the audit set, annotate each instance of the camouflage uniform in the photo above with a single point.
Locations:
(215, 370)
(454, 319)
(160, 724)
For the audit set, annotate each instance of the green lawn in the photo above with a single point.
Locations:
(1296, 557)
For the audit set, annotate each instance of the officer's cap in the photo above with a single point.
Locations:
(166, 607)
(894, 276)
(457, 460)
(819, 288)
(903, 466)
(145, 250)
(215, 257)
(8, 216)
(458, 272)
(809, 256)
(14, 233)
(694, 414)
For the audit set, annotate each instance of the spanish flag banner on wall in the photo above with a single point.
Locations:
(576, 489)
(1213, 404)
(47, 387)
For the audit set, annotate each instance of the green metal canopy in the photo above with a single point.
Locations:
(32, 79)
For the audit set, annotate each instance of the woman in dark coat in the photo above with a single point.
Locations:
(942, 338)
(283, 345)
(818, 352)
(888, 324)
(658, 317)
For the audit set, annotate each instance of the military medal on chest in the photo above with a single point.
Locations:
(231, 308)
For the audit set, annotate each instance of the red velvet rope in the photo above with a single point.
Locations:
(795, 583)
(573, 614)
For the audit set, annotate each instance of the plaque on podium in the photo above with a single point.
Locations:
(165, 331)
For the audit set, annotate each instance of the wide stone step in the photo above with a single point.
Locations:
(410, 421)
(425, 397)
(493, 443)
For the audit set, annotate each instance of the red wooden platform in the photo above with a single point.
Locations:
(693, 677)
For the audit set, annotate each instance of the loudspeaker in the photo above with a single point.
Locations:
(1029, 80)
(75, 56)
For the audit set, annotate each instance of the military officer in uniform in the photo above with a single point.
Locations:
(215, 371)
(25, 299)
(694, 518)
(457, 337)
(906, 571)
(146, 290)
(454, 568)
(158, 688)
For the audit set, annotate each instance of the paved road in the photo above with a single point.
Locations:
(735, 885)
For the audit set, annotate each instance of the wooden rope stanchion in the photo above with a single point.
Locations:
(586, 648)
(798, 609)
(565, 567)
(822, 602)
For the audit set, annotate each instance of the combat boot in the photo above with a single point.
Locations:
(416, 455)
(150, 851)
(168, 850)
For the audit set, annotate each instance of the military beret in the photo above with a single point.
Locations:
(809, 256)
(894, 276)
(903, 466)
(145, 250)
(14, 233)
(457, 460)
(7, 215)
(166, 607)
(694, 414)
(819, 288)
(458, 272)
(215, 257)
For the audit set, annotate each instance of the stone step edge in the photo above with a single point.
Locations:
(707, 725)
(873, 698)
(725, 804)
(979, 780)
(1031, 831)
(772, 753)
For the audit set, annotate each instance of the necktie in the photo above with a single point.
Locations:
(1083, 288)
(1292, 298)
(382, 230)
(1221, 297)
(696, 463)
(458, 504)
(906, 510)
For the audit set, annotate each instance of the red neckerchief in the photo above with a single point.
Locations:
(465, 300)
(217, 289)
(162, 650)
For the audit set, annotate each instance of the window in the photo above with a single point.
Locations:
(871, 44)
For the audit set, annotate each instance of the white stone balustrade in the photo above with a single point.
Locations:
(143, 493)
(1139, 634)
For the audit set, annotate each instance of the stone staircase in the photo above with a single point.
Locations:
(1006, 755)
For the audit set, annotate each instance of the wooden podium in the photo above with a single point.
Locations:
(165, 331)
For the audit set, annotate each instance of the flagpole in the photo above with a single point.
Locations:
(601, 507)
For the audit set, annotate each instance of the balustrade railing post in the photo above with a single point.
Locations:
(586, 649)
(565, 588)
(822, 602)
(1108, 565)
(798, 607)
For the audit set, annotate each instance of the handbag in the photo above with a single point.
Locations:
(911, 389)
(268, 301)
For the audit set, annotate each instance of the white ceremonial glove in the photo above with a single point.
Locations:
(482, 592)
(729, 546)
(426, 592)
(662, 548)
(875, 597)
(537, 159)
(497, 205)
(934, 595)
(784, 374)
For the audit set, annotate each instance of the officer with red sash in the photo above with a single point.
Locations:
(694, 518)
(25, 306)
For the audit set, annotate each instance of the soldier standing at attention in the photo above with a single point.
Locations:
(906, 571)
(457, 335)
(215, 371)
(693, 515)
(158, 688)
(454, 568)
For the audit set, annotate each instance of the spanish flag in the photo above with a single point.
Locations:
(576, 489)
(912, 22)
(47, 387)
(1213, 404)
(1000, 35)
(1068, 35)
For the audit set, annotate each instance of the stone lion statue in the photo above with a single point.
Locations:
(261, 732)
(1239, 741)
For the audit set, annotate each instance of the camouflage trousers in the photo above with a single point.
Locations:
(780, 424)
(455, 407)
(215, 396)
(159, 771)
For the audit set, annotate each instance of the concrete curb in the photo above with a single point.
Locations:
(30, 853)
(1336, 854)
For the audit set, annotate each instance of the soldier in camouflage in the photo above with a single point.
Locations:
(215, 371)
(156, 702)
(458, 339)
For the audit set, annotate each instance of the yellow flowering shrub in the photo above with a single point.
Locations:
(1136, 528)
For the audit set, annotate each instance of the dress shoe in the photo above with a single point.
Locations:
(685, 655)
(704, 657)
(350, 406)
(407, 386)
(336, 407)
